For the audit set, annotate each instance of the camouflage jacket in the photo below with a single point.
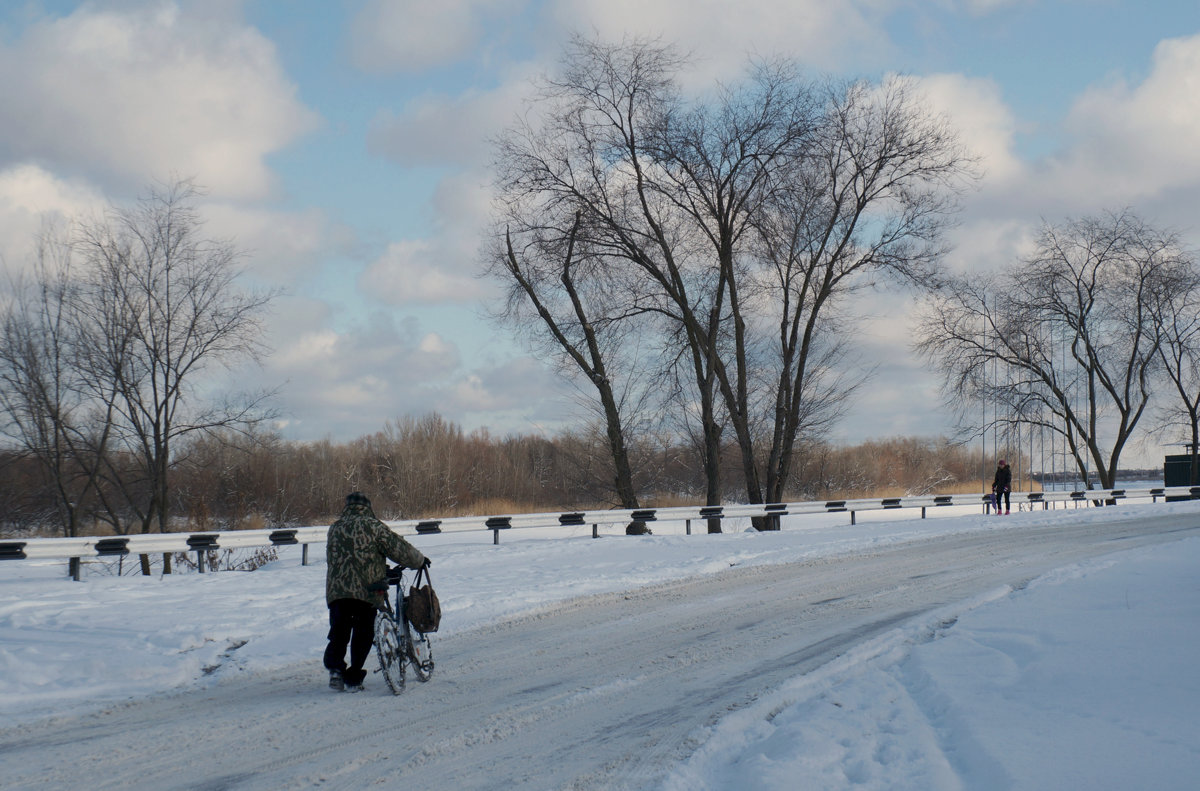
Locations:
(357, 549)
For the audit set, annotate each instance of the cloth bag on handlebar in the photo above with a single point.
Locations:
(421, 605)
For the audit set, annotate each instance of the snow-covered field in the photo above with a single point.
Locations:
(1088, 677)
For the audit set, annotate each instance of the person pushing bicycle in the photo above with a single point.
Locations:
(357, 549)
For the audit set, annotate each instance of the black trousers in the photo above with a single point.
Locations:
(1002, 494)
(351, 622)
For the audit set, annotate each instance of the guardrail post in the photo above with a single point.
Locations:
(922, 512)
(202, 543)
(496, 524)
(852, 518)
(595, 529)
(713, 515)
(107, 547)
(689, 526)
(304, 555)
(73, 568)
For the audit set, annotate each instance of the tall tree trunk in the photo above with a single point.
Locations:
(623, 480)
(712, 460)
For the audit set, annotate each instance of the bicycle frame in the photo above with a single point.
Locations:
(395, 642)
(395, 579)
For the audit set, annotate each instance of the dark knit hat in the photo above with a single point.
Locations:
(357, 498)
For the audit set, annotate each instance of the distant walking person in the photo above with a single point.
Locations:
(1002, 485)
(357, 549)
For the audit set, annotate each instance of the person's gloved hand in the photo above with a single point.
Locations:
(427, 563)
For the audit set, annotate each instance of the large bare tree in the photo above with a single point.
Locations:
(1068, 340)
(716, 165)
(165, 311)
(870, 195)
(772, 197)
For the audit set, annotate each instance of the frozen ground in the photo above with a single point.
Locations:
(1044, 650)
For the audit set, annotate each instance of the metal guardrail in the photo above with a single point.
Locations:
(91, 547)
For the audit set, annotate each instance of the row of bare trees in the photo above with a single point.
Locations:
(103, 344)
(712, 242)
(1078, 341)
(428, 467)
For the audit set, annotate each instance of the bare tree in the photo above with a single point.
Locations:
(1178, 315)
(716, 164)
(1067, 341)
(870, 194)
(163, 310)
(617, 148)
(579, 308)
(771, 198)
(43, 394)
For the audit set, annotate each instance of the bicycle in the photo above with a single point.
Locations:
(395, 643)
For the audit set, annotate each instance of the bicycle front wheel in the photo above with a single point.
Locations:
(418, 652)
(389, 646)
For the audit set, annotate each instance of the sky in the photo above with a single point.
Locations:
(344, 148)
(1082, 678)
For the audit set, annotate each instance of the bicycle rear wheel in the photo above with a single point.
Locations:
(419, 653)
(389, 646)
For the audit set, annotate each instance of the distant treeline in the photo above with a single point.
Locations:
(427, 467)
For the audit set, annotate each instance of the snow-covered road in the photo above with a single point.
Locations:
(607, 691)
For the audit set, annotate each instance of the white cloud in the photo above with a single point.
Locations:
(720, 34)
(419, 272)
(440, 129)
(35, 191)
(473, 395)
(413, 35)
(32, 197)
(145, 93)
(353, 378)
(521, 387)
(282, 247)
(984, 123)
(436, 346)
(308, 348)
(443, 267)
(984, 7)
(349, 381)
(991, 244)
(1134, 142)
